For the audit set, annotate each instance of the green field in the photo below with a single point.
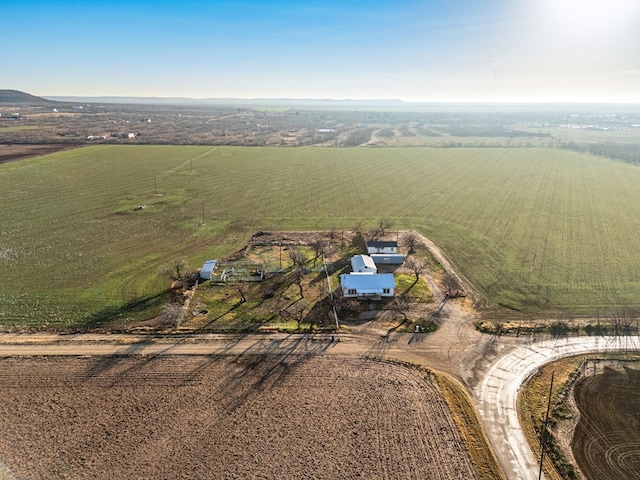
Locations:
(539, 230)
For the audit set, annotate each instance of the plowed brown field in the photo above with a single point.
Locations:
(606, 441)
(191, 417)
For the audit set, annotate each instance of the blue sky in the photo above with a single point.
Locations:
(455, 50)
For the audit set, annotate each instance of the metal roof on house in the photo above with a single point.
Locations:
(367, 283)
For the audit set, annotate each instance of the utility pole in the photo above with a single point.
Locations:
(335, 314)
(203, 214)
(543, 437)
(155, 183)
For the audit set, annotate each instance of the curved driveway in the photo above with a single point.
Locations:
(496, 395)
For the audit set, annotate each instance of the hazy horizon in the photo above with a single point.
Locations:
(503, 51)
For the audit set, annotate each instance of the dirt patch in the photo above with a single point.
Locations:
(225, 417)
(11, 153)
(606, 442)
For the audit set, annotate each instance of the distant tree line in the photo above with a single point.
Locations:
(488, 131)
(626, 152)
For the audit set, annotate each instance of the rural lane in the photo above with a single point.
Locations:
(496, 395)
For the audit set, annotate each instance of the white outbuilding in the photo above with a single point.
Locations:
(206, 272)
(363, 264)
(382, 247)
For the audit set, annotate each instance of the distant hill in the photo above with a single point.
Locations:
(346, 104)
(239, 102)
(16, 96)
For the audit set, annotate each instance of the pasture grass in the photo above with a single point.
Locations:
(18, 128)
(535, 230)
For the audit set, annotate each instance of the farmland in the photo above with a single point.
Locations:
(606, 439)
(594, 410)
(537, 230)
(248, 416)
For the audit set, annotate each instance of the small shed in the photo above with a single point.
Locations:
(387, 258)
(367, 286)
(363, 264)
(382, 247)
(206, 272)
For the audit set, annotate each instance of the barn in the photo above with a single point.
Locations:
(367, 285)
(363, 264)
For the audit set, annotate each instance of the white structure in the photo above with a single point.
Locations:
(382, 247)
(206, 272)
(363, 264)
(366, 285)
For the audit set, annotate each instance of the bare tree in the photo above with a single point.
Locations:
(242, 288)
(296, 311)
(622, 320)
(177, 272)
(411, 240)
(402, 303)
(450, 284)
(298, 279)
(417, 266)
(297, 257)
(384, 224)
(318, 249)
(358, 228)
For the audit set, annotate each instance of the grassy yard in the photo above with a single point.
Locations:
(537, 230)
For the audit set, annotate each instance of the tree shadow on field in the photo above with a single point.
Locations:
(103, 364)
(112, 313)
(266, 364)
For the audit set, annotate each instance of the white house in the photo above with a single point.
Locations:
(363, 264)
(382, 247)
(366, 285)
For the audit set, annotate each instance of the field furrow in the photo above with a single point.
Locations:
(180, 417)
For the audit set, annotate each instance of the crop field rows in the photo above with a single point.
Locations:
(295, 417)
(531, 229)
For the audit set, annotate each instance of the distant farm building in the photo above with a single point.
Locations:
(367, 285)
(363, 264)
(206, 272)
(382, 247)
